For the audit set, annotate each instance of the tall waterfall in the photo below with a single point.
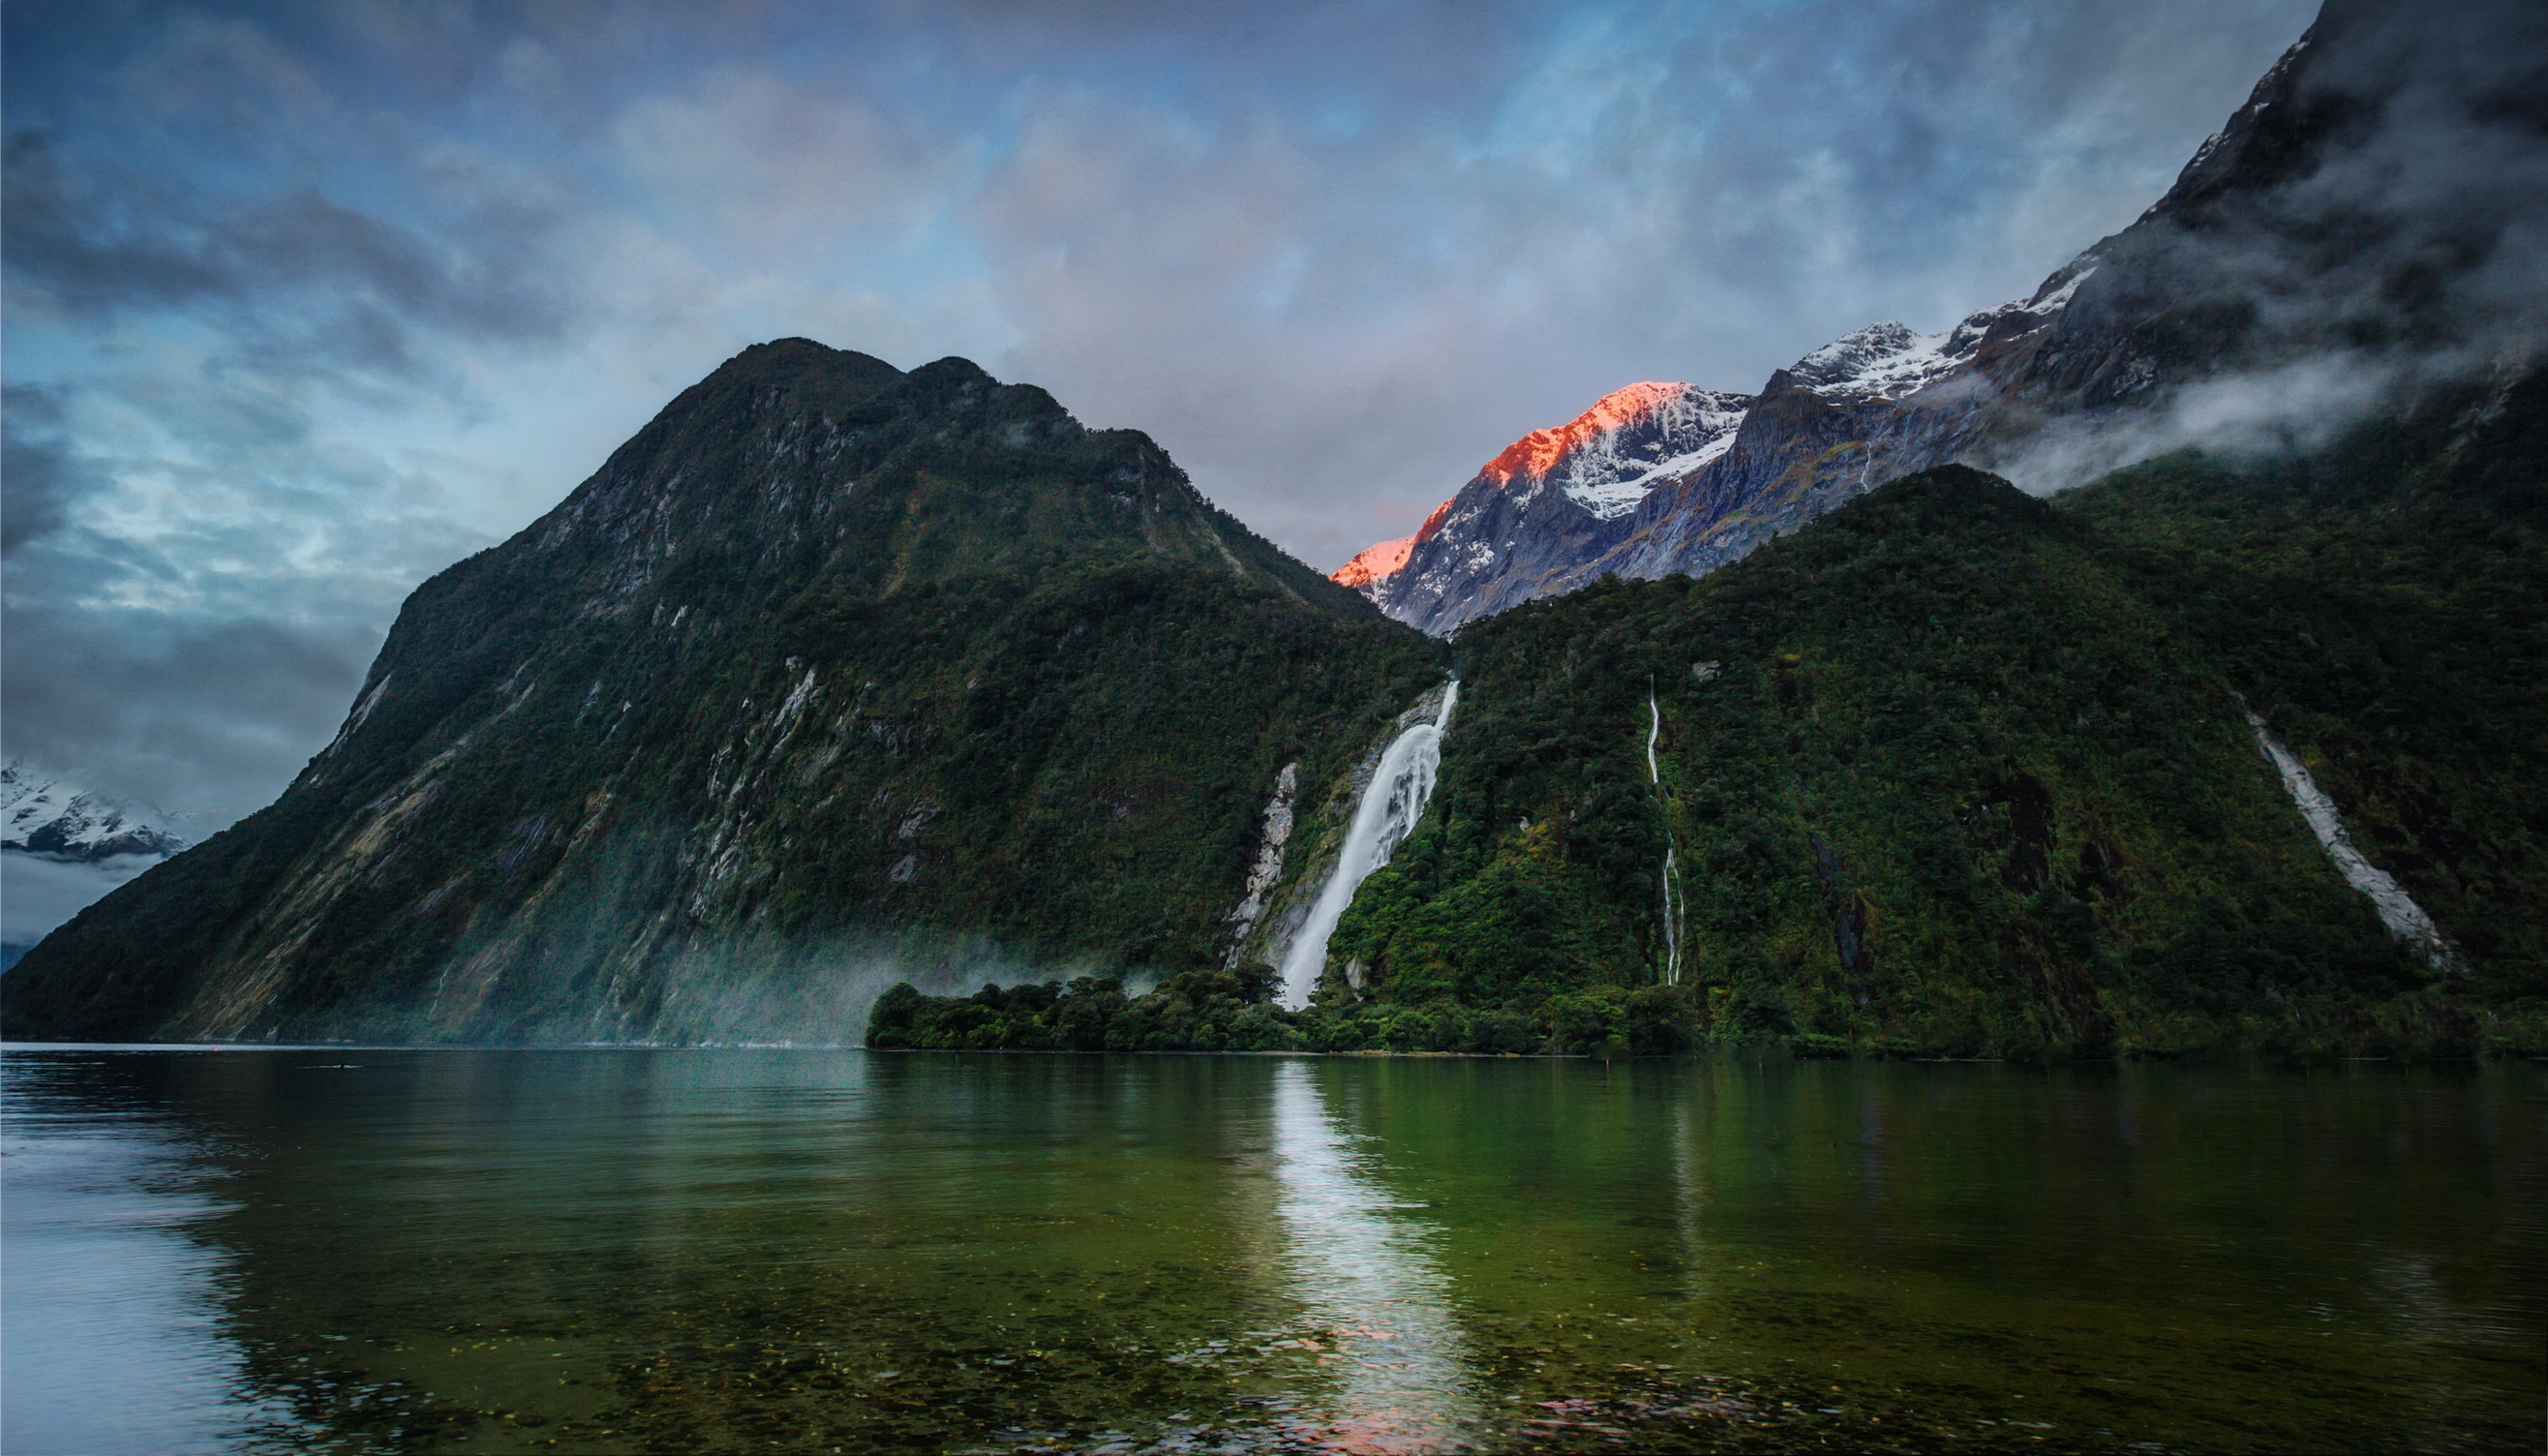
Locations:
(1390, 806)
(1672, 848)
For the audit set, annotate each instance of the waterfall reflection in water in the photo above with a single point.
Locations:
(1371, 1292)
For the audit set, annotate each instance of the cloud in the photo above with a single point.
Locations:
(38, 476)
(1332, 325)
(306, 301)
(295, 280)
(38, 895)
(2375, 222)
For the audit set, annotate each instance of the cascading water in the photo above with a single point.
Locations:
(2404, 918)
(1672, 848)
(1389, 807)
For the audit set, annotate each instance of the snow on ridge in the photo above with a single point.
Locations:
(1618, 498)
(1887, 361)
(1610, 472)
(49, 817)
(1370, 564)
(1538, 453)
(1883, 361)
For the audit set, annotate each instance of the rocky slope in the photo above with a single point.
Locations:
(831, 671)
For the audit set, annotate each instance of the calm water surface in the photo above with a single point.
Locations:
(692, 1251)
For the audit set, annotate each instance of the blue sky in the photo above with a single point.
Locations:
(305, 302)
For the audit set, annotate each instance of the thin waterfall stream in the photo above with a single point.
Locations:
(1384, 814)
(1672, 847)
(2397, 911)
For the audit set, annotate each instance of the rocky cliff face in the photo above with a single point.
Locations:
(1548, 501)
(2370, 222)
(833, 673)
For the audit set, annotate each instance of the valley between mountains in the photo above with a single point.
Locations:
(845, 702)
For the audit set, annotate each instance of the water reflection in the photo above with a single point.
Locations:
(1376, 1304)
(424, 1253)
(112, 1327)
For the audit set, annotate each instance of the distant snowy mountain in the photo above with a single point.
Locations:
(1548, 501)
(43, 815)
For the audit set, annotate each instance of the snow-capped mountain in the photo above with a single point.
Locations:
(2277, 244)
(1548, 501)
(1871, 406)
(43, 815)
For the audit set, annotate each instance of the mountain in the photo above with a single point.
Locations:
(62, 846)
(2232, 747)
(833, 673)
(1548, 501)
(1951, 769)
(837, 676)
(44, 815)
(2367, 224)
(2202, 758)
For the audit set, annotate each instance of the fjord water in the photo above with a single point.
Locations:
(610, 1250)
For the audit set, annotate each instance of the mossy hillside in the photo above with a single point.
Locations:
(828, 652)
(1938, 776)
(1951, 772)
(2385, 605)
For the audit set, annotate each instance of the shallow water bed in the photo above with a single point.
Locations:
(676, 1251)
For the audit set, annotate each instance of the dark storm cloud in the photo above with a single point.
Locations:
(298, 280)
(37, 476)
(156, 704)
(308, 299)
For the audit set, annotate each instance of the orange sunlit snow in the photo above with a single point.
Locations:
(1535, 453)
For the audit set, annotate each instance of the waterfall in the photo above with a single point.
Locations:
(2404, 918)
(1389, 807)
(1671, 847)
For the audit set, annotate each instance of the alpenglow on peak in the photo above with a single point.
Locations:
(1575, 484)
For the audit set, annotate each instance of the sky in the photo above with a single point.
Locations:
(305, 302)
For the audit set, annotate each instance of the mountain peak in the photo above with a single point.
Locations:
(1537, 453)
(44, 815)
(1581, 480)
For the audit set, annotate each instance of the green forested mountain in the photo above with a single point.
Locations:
(837, 676)
(833, 673)
(1957, 771)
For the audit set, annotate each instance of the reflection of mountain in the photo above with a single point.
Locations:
(1371, 1292)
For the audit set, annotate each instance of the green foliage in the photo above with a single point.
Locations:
(1231, 1011)
(2385, 605)
(830, 653)
(1952, 773)
(827, 653)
